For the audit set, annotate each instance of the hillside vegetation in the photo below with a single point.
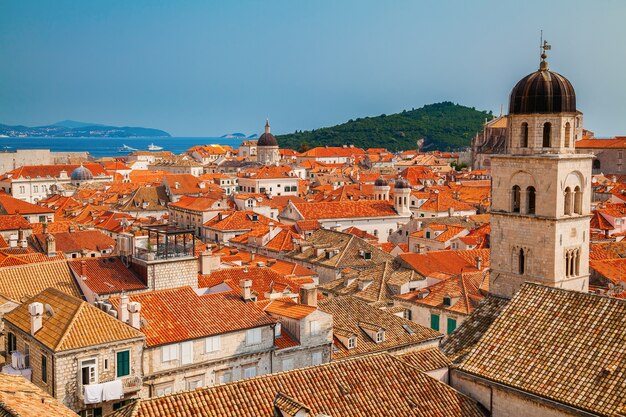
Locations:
(444, 126)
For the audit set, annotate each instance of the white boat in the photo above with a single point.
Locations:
(153, 147)
(126, 148)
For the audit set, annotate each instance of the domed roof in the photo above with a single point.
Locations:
(402, 183)
(81, 174)
(543, 91)
(267, 139)
(380, 182)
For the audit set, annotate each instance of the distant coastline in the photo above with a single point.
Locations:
(74, 129)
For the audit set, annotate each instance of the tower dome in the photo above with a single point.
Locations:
(402, 183)
(267, 139)
(543, 91)
(81, 174)
(380, 182)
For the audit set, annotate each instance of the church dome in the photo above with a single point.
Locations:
(402, 183)
(267, 139)
(81, 174)
(543, 92)
(380, 182)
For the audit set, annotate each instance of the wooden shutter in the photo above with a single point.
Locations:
(186, 352)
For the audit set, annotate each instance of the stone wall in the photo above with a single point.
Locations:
(21, 157)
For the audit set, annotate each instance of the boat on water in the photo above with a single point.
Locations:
(153, 147)
(126, 148)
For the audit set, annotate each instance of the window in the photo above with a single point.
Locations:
(120, 404)
(316, 358)
(92, 412)
(44, 368)
(596, 164)
(224, 376)
(567, 209)
(88, 371)
(287, 364)
(351, 342)
(451, 325)
(212, 344)
(11, 342)
(524, 141)
(407, 314)
(530, 200)
(427, 235)
(253, 337)
(547, 127)
(447, 301)
(122, 365)
(578, 200)
(522, 262)
(163, 390)
(186, 353)
(169, 353)
(314, 327)
(380, 336)
(249, 371)
(278, 329)
(35, 188)
(22, 189)
(434, 322)
(568, 134)
(193, 383)
(516, 200)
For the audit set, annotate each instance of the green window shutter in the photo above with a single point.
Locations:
(451, 325)
(123, 363)
(434, 322)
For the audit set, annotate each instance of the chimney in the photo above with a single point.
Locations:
(51, 245)
(209, 263)
(308, 295)
(246, 289)
(45, 228)
(252, 256)
(479, 262)
(450, 211)
(36, 317)
(83, 269)
(134, 319)
(13, 241)
(21, 237)
(71, 229)
(122, 309)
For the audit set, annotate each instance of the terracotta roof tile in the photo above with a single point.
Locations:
(426, 360)
(106, 275)
(25, 281)
(21, 398)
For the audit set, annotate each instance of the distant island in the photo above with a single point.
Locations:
(239, 136)
(443, 126)
(74, 129)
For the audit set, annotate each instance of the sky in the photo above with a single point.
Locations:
(206, 68)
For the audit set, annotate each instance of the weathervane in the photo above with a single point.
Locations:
(544, 46)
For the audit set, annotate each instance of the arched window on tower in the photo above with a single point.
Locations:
(568, 134)
(567, 210)
(522, 261)
(596, 164)
(578, 200)
(530, 200)
(515, 195)
(547, 128)
(568, 254)
(524, 141)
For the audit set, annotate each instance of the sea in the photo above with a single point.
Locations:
(100, 147)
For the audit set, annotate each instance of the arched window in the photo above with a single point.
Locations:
(568, 202)
(577, 263)
(578, 200)
(596, 164)
(516, 198)
(522, 261)
(547, 128)
(568, 254)
(568, 135)
(530, 200)
(524, 141)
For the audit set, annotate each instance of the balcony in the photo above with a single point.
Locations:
(19, 366)
(109, 390)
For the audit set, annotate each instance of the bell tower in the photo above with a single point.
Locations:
(541, 189)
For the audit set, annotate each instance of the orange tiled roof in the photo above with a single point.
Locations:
(43, 171)
(289, 309)
(21, 398)
(93, 240)
(197, 203)
(618, 142)
(13, 222)
(74, 324)
(345, 209)
(330, 152)
(10, 205)
(448, 262)
(106, 275)
(24, 281)
(238, 220)
(173, 315)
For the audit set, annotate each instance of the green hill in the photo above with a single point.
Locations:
(444, 126)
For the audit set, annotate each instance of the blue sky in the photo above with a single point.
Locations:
(203, 68)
